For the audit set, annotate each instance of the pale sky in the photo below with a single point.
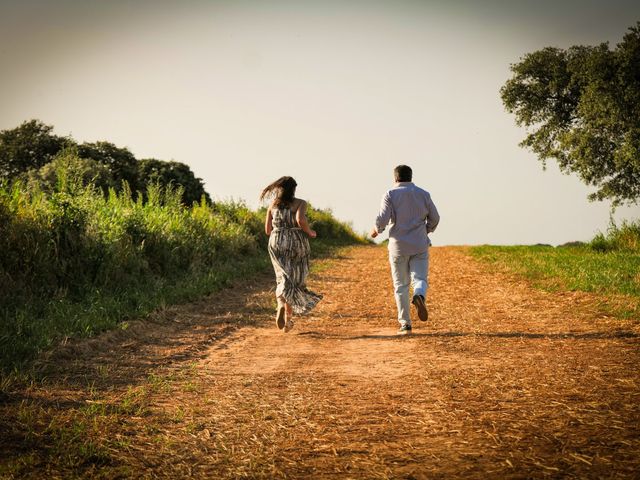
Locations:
(334, 93)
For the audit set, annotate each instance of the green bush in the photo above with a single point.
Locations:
(67, 167)
(623, 238)
(75, 261)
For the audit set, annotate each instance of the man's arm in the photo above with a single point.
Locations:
(382, 220)
(433, 218)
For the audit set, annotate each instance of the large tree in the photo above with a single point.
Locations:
(581, 107)
(122, 164)
(151, 170)
(29, 146)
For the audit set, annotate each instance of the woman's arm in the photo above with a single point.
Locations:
(268, 222)
(301, 218)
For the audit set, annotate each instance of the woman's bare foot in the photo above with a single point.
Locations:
(289, 322)
(280, 317)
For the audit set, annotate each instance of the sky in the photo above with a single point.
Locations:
(333, 93)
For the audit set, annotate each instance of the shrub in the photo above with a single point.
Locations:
(626, 237)
(68, 171)
(76, 261)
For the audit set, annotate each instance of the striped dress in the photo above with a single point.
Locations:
(289, 252)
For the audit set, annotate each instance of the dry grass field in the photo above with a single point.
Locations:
(504, 381)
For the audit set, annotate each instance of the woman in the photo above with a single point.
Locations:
(286, 224)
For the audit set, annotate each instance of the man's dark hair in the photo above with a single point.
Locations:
(402, 173)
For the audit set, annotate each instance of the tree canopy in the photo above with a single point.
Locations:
(581, 107)
(175, 173)
(33, 153)
(31, 145)
(121, 163)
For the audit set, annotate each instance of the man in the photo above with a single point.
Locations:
(413, 216)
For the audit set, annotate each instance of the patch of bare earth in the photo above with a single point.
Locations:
(503, 382)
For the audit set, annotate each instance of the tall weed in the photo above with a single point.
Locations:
(76, 261)
(625, 237)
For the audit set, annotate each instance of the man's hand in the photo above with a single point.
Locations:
(374, 233)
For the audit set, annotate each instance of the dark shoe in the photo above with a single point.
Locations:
(280, 318)
(404, 330)
(423, 313)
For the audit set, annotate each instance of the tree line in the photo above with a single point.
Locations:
(33, 154)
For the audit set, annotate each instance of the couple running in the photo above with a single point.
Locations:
(412, 215)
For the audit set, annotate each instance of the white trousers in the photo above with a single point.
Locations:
(409, 270)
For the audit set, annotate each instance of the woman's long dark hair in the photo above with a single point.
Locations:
(283, 190)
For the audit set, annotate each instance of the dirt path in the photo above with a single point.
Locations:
(503, 382)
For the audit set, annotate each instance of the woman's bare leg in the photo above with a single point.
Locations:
(280, 314)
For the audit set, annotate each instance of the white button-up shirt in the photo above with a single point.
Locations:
(412, 215)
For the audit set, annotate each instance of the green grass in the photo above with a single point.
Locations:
(39, 325)
(74, 262)
(569, 268)
(608, 265)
